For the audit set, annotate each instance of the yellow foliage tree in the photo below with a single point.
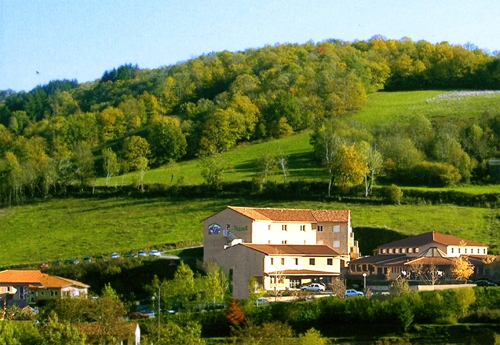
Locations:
(461, 268)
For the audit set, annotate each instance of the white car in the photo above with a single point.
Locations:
(115, 255)
(352, 293)
(154, 252)
(141, 253)
(315, 287)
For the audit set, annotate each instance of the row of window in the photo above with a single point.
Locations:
(470, 252)
(416, 250)
(400, 250)
(319, 228)
(312, 261)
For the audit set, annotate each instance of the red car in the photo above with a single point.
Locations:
(138, 315)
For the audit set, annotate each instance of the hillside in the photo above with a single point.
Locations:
(131, 119)
(380, 108)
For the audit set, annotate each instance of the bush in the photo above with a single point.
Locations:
(392, 194)
(434, 174)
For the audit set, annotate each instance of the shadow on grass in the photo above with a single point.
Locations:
(370, 238)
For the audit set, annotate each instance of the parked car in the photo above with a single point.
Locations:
(141, 253)
(154, 252)
(261, 300)
(72, 262)
(315, 287)
(138, 315)
(87, 259)
(484, 282)
(115, 255)
(353, 293)
(130, 254)
(101, 257)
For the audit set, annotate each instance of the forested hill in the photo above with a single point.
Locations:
(133, 119)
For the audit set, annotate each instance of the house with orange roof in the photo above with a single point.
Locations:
(282, 248)
(404, 257)
(57, 287)
(33, 285)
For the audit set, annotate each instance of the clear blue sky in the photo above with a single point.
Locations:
(80, 39)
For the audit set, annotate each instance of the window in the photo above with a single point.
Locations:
(312, 261)
(465, 250)
(409, 250)
(282, 261)
(269, 227)
(452, 250)
(329, 261)
(296, 261)
(302, 228)
(283, 227)
(272, 261)
(416, 250)
(336, 244)
(283, 242)
(320, 228)
(336, 228)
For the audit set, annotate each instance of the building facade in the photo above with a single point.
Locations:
(282, 248)
(405, 257)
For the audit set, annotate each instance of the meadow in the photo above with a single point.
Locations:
(58, 229)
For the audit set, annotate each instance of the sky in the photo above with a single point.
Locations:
(44, 40)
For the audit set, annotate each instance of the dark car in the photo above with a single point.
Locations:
(485, 283)
(130, 254)
(87, 259)
(72, 261)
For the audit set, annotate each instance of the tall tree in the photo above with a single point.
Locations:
(135, 148)
(110, 164)
(83, 163)
(166, 139)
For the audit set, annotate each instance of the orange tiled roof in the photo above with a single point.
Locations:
(59, 282)
(430, 237)
(293, 249)
(20, 276)
(297, 215)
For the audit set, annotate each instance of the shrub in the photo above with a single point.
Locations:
(392, 194)
(434, 174)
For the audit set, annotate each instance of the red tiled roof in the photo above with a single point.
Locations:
(293, 249)
(430, 237)
(297, 215)
(20, 276)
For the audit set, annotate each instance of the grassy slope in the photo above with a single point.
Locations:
(60, 229)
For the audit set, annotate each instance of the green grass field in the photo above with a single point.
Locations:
(65, 228)
(390, 106)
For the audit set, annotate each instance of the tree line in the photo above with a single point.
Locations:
(131, 119)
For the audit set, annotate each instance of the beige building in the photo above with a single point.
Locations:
(400, 258)
(281, 248)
